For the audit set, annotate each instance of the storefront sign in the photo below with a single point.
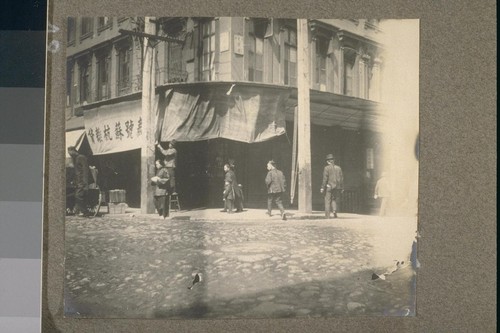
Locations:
(238, 45)
(114, 128)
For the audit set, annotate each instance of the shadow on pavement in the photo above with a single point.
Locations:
(351, 295)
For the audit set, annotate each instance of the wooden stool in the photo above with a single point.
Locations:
(174, 199)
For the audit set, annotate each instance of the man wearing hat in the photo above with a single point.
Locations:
(170, 162)
(81, 180)
(333, 185)
(276, 185)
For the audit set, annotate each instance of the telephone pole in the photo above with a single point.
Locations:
(148, 95)
(303, 117)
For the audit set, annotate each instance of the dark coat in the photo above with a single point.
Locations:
(275, 181)
(229, 184)
(170, 156)
(81, 171)
(332, 176)
(161, 186)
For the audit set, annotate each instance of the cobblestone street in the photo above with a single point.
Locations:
(140, 266)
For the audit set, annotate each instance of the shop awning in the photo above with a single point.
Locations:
(329, 109)
(74, 138)
(242, 113)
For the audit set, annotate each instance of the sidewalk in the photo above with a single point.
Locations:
(387, 224)
(211, 214)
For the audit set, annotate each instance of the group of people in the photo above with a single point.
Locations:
(232, 195)
(332, 185)
(332, 188)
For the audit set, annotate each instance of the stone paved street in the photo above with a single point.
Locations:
(140, 266)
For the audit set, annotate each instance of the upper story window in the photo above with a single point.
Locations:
(366, 77)
(104, 23)
(124, 68)
(71, 30)
(207, 67)
(372, 24)
(103, 74)
(350, 74)
(320, 70)
(256, 32)
(84, 80)
(87, 27)
(290, 70)
(69, 83)
(175, 68)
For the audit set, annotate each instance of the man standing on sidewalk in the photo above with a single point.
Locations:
(276, 185)
(81, 180)
(333, 185)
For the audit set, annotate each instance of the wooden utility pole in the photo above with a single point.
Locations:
(148, 95)
(304, 117)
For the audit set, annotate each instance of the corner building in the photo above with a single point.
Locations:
(226, 88)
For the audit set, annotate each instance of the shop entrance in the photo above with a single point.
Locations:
(200, 173)
(120, 171)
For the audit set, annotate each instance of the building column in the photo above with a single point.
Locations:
(304, 117)
(148, 95)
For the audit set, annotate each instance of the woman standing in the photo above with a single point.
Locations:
(238, 192)
(161, 194)
(228, 194)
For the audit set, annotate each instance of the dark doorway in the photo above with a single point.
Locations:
(120, 171)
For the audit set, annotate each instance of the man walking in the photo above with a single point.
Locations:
(276, 185)
(81, 180)
(333, 185)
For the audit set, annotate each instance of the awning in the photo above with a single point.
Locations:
(74, 138)
(237, 112)
(330, 109)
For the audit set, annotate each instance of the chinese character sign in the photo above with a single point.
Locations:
(114, 128)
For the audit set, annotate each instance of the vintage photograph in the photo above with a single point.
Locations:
(241, 167)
